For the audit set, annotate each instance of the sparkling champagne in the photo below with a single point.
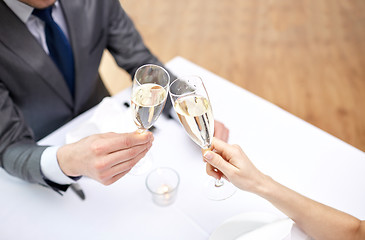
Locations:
(148, 100)
(195, 114)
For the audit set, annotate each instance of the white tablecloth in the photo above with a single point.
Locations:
(281, 145)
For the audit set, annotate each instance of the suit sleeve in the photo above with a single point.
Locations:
(19, 153)
(126, 44)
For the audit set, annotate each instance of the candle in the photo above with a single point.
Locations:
(163, 184)
(164, 192)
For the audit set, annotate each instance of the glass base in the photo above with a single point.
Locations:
(219, 191)
(143, 166)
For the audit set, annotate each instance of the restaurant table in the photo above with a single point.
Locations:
(290, 150)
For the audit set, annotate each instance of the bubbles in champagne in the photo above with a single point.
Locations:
(148, 101)
(195, 114)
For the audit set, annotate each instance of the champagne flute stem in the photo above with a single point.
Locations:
(141, 130)
(218, 183)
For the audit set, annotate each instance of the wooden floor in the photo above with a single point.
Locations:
(306, 56)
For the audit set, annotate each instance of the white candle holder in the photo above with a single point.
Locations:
(163, 184)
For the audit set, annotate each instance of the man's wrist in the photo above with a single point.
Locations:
(64, 157)
(50, 167)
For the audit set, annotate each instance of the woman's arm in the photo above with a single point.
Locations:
(317, 220)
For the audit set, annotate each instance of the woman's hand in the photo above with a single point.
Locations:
(232, 164)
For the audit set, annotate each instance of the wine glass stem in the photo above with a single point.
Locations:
(141, 130)
(218, 183)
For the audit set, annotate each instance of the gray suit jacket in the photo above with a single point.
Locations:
(34, 98)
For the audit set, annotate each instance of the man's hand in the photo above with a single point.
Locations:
(220, 131)
(104, 157)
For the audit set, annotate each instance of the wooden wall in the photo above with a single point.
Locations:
(306, 56)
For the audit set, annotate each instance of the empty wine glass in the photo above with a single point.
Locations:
(191, 103)
(149, 94)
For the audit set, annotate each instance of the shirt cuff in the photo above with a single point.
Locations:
(50, 168)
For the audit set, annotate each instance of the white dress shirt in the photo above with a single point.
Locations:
(49, 163)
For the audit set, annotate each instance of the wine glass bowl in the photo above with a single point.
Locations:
(192, 105)
(149, 93)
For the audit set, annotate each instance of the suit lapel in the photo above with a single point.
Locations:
(26, 47)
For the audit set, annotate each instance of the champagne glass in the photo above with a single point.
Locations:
(192, 105)
(149, 94)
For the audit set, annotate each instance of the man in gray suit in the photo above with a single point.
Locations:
(36, 97)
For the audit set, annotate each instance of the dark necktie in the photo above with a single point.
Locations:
(58, 46)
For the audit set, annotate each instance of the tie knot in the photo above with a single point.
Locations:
(44, 14)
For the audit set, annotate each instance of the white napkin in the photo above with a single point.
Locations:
(248, 225)
(108, 116)
(276, 230)
(297, 234)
